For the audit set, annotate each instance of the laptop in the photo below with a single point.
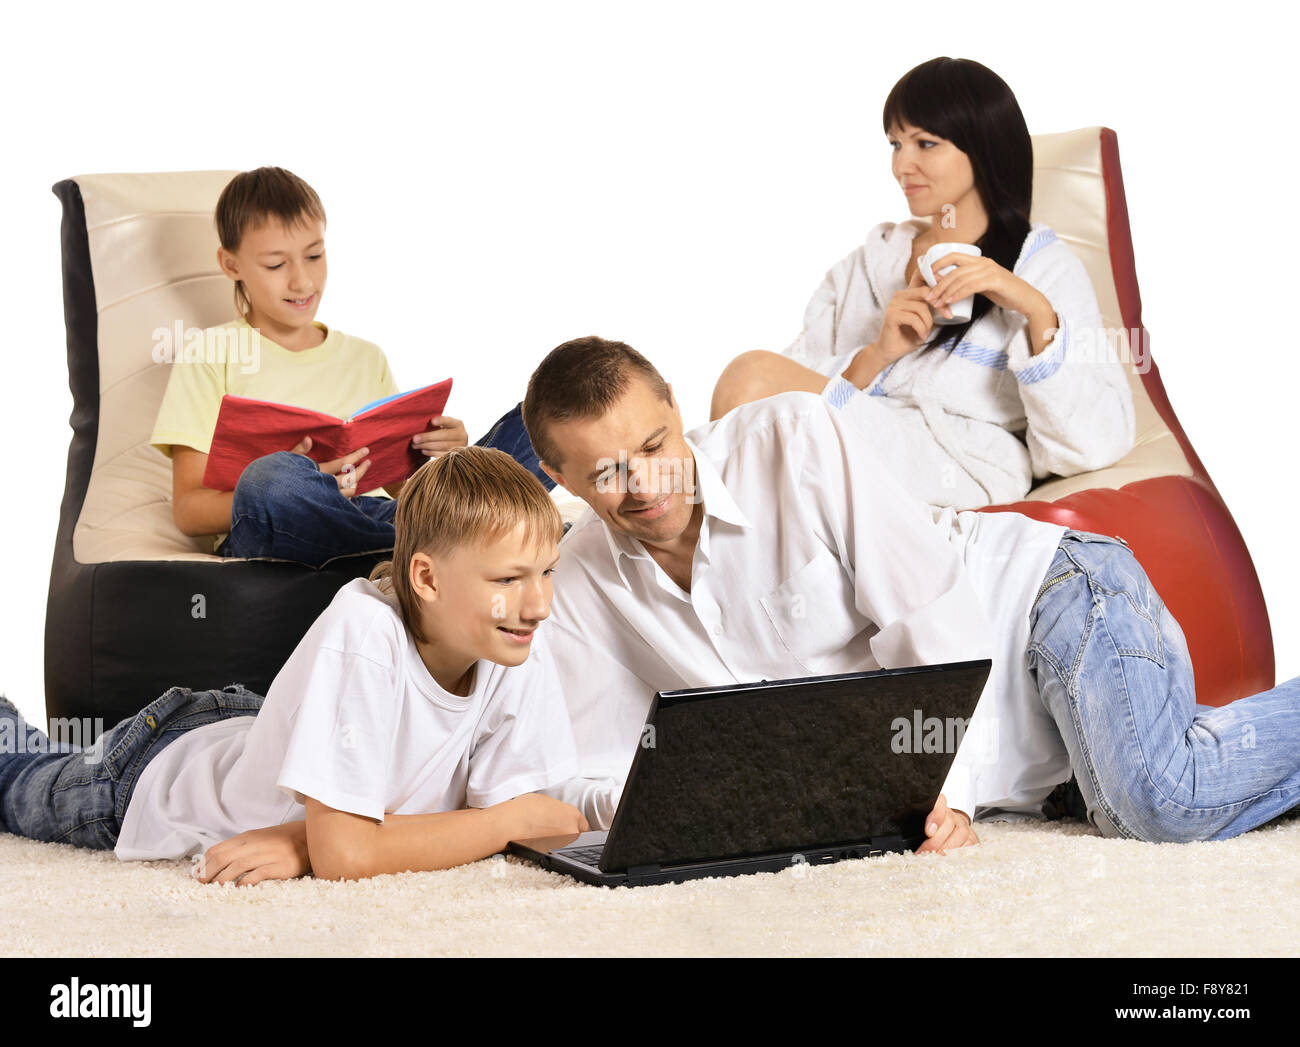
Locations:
(759, 777)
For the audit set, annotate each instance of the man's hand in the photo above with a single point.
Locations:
(947, 829)
(447, 433)
(278, 852)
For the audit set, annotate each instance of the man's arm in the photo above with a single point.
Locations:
(907, 576)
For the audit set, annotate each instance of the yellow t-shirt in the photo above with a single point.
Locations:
(338, 376)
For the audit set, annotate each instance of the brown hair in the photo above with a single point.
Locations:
(470, 495)
(581, 379)
(252, 198)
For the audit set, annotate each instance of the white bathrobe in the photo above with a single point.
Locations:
(976, 423)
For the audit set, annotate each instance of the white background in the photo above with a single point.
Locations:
(501, 178)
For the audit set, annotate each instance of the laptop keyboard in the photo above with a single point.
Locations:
(585, 855)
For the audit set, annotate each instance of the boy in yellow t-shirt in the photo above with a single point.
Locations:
(271, 226)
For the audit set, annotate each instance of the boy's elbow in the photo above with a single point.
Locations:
(336, 870)
(196, 518)
(335, 862)
(340, 846)
(181, 518)
(185, 522)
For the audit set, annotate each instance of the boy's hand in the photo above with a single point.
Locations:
(947, 829)
(345, 470)
(535, 815)
(447, 433)
(278, 852)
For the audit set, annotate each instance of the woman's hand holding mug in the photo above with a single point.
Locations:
(908, 322)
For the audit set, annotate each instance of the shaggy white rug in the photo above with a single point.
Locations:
(1030, 889)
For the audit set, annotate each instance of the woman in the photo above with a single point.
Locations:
(969, 413)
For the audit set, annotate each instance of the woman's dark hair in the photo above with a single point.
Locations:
(972, 107)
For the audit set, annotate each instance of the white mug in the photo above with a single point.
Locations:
(960, 309)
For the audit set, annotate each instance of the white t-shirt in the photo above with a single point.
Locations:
(355, 721)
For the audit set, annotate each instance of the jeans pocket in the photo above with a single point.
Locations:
(1090, 536)
(1134, 626)
(1123, 595)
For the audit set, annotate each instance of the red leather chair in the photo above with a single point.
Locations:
(1158, 498)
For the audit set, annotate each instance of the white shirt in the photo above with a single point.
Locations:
(812, 559)
(355, 721)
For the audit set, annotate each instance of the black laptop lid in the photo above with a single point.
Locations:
(783, 765)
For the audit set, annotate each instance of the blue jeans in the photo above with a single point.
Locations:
(80, 797)
(509, 435)
(1113, 670)
(286, 508)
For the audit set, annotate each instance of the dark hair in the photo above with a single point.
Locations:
(972, 107)
(251, 198)
(581, 379)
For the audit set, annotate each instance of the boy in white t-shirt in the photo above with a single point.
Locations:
(409, 730)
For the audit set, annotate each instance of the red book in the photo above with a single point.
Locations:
(248, 429)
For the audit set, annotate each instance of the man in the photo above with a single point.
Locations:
(770, 544)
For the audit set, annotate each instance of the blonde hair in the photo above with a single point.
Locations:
(252, 197)
(468, 496)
